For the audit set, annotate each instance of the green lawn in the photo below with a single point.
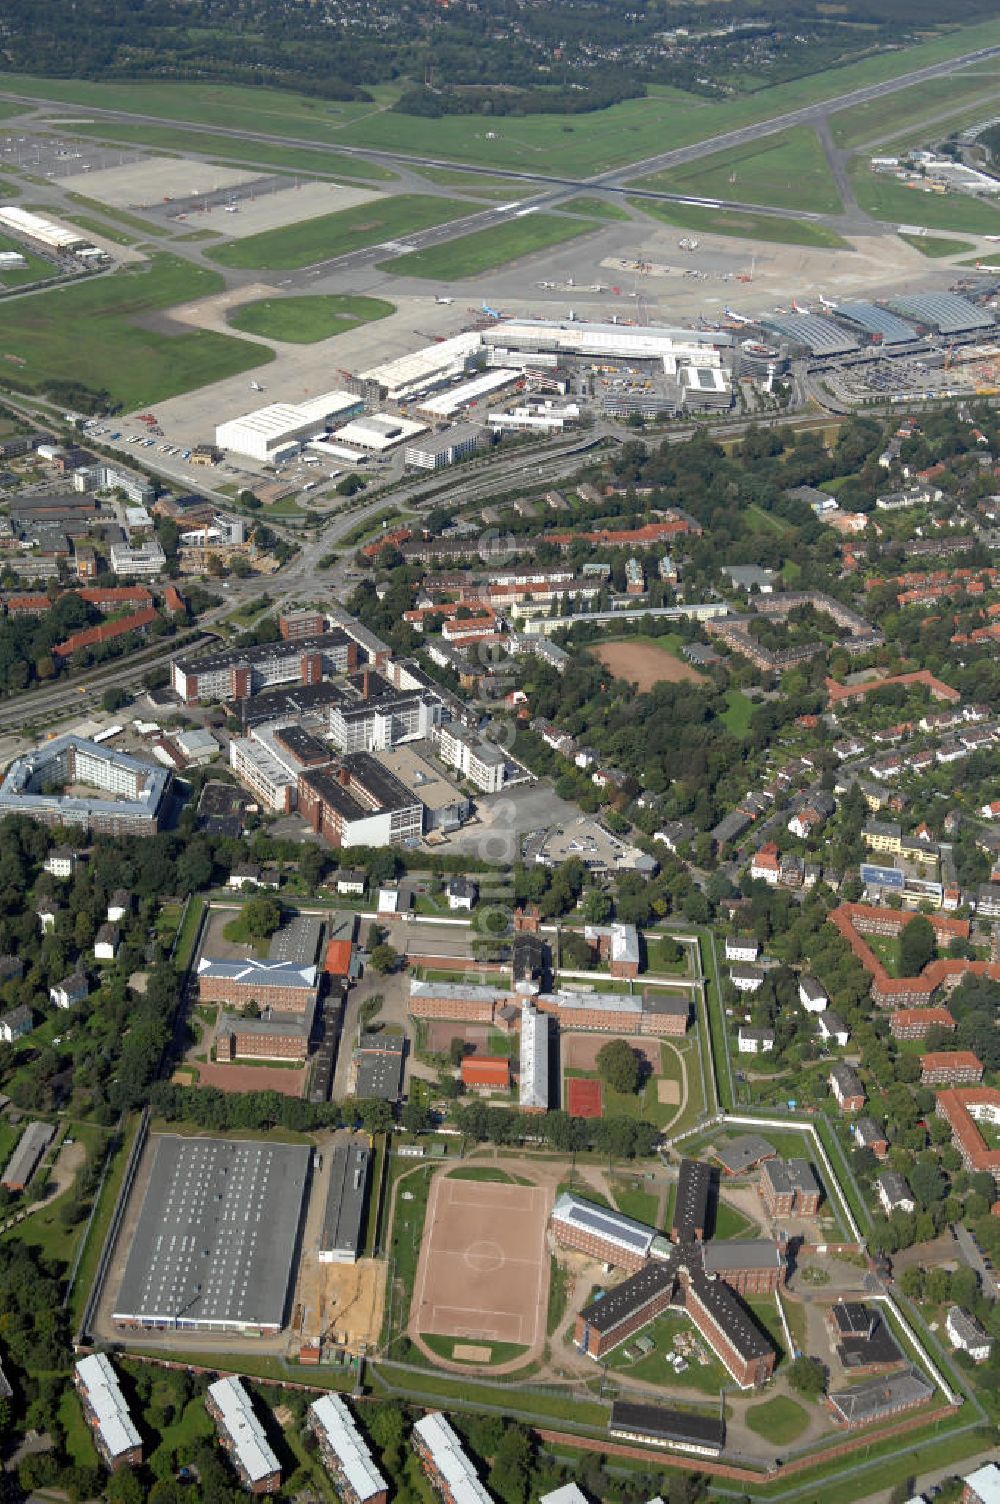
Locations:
(705, 1378)
(99, 227)
(230, 149)
(188, 933)
(88, 332)
(637, 1203)
(580, 144)
(779, 1420)
(292, 246)
(79, 1443)
(597, 208)
(36, 268)
(480, 1172)
(738, 712)
(744, 224)
(889, 116)
(304, 320)
(935, 246)
(500, 1352)
(729, 1223)
(469, 255)
(885, 198)
(788, 170)
(9, 1135)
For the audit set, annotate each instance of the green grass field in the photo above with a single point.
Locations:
(885, 198)
(469, 255)
(79, 1442)
(739, 709)
(637, 1203)
(788, 171)
(304, 320)
(653, 1368)
(500, 1352)
(597, 208)
(36, 268)
(293, 246)
(98, 227)
(779, 1420)
(935, 246)
(580, 144)
(245, 152)
(89, 332)
(744, 224)
(901, 114)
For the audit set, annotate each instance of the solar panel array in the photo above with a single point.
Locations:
(878, 321)
(820, 336)
(944, 311)
(216, 1234)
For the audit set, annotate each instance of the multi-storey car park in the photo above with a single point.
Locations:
(215, 1242)
(50, 784)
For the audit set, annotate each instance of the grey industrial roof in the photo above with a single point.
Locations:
(343, 1219)
(216, 1236)
(254, 973)
(603, 1222)
(742, 1253)
(875, 320)
(32, 1145)
(881, 1396)
(944, 311)
(667, 1425)
(691, 1203)
(820, 336)
(744, 1152)
(379, 1074)
(297, 942)
(270, 1024)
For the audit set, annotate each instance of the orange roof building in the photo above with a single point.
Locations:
(838, 694)
(914, 1023)
(950, 1068)
(486, 1072)
(137, 622)
(963, 1108)
(337, 961)
(854, 920)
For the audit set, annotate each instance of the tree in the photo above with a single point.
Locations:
(596, 907)
(917, 946)
(927, 1182)
(261, 916)
(619, 1067)
(114, 698)
(384, 959)
(456, 1050)
(416, 1117)
(807, 1377)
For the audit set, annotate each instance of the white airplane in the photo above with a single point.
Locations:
(826, 302)
(737, 318)
(255, 386)
(446, 301)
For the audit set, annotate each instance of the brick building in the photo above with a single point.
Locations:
(114, 1432)
(280, 986)
(846, 1086)
(486, 1073)
(950, 1068)
(915, 1023)
(788, 1188)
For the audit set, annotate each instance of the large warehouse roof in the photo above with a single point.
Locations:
(37, 227)
(215, 1241)
(820, 336)
(425, 367)
(377, 432)
(944, 311)
(877, 321)
(466, 392)
(643, 342)
(343, 1219)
